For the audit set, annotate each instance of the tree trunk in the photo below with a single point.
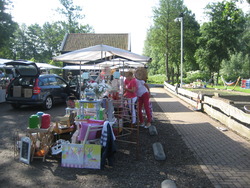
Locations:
(167, 68)
(172, 75)
(178, 74)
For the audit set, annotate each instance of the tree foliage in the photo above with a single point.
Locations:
(237, 65)
(43, 42)
(244, 40)
(163, 39)
(73, 14)
(219, 37)
(7, 28)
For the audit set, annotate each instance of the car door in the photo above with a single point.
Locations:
(63, 89)
(54, 88)
(46, 89)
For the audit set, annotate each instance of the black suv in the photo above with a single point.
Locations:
(29, 87)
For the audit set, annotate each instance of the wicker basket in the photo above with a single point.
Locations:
(141, 73)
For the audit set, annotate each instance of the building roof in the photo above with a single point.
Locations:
(76, 41)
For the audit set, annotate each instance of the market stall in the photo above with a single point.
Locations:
(85, 137)
(118, 59)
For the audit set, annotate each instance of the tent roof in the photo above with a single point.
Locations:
(39, 65)
(2, 61)
(98, 52)
(83, 67)
(115, 63)
(46, 66)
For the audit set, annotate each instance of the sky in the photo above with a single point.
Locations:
(105, 16)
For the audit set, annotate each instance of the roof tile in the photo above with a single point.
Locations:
(75, 41)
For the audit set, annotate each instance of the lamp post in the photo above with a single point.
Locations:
(180, 19)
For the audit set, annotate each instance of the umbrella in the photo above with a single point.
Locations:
(98, 52)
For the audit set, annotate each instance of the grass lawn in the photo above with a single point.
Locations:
(237, 88)
(160, 78)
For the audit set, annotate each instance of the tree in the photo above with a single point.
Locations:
(219, 37)
(245, 39)
(43, 42)
(73, 14)
(237, 65)
(163, 39)
(20, 41)
(7, 28)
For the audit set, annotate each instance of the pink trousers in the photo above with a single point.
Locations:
(144, 101)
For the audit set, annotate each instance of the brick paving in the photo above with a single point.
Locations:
(223, 155)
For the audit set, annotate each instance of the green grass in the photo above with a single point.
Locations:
(237, 88)
(160, 78)
(156, 79)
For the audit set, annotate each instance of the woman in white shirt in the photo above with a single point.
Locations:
(143, 94)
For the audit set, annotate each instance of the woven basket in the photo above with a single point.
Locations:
(141, 73)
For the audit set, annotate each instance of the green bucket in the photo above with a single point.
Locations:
(34, 121)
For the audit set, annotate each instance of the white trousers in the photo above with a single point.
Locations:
(131, 104)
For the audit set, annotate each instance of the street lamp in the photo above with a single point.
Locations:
(180, 19)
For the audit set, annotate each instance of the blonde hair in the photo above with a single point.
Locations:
(129, 73)
(141, 73)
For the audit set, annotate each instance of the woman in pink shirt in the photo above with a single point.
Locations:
(143, 94)
(130, 89)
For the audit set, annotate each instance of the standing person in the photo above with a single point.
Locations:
(130, 93)
(1, 74)
(143, 94)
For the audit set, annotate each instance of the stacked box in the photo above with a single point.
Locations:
(27, 93)
(17, 91)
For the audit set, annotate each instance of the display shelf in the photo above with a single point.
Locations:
(41, 141)
(93, 111)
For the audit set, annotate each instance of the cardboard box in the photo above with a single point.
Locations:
(17, 91)
(27, 93)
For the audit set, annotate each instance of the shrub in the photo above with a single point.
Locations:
(156, 79)
(192, 76)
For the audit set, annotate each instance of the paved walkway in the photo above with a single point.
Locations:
(223, 155)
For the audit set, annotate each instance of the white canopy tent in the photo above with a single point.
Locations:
(2, 61)
(43, 66)
(98, 52)
(46, 66)
(119, 62)
(83, 67)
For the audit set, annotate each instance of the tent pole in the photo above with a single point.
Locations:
(80, 80)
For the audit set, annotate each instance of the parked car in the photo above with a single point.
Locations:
(29, 87)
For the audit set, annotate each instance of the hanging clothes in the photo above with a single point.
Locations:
(108, 145)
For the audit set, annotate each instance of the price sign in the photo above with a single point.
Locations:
(25, 150)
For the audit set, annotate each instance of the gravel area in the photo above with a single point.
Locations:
(180, 165)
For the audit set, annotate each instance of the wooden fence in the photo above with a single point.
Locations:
(232, 117)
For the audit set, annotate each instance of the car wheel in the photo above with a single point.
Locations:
(16, 106)
(48, 103)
